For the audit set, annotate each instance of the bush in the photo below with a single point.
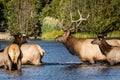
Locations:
(52, 34)
(114, 34)
(50, 24)
(84, 35)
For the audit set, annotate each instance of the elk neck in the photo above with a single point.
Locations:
(70, 40)
(70, 44)
(18, 43)
(105, 47)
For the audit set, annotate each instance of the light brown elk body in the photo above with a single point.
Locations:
(83, 47)
(32, 53)
(5, 60)
(112, 52)
(15, 55)
(11, 57)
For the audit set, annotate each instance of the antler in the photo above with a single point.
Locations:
(79, 21)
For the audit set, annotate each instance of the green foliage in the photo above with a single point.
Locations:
(39, 5)
(48, 28)
(50, 24)
(114, 34)
(57, 9)
(84, 35)
(104, 14)
(21, 15)
(55, 33)
(3, 20)
(51, 35)
(104, 18)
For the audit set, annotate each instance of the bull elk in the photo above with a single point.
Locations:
(83, 47)
(112, 52)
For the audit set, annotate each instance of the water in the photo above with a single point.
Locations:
(60, 65)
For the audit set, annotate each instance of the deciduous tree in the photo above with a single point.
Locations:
(21, 15)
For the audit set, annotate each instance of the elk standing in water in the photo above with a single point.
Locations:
(5, 60)
(32, 53)
(11, 56)
(112, 52)
(15, 56)
(83, 47)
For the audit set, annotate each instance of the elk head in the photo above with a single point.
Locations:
(19, 38)
(98, 40)
(63, 38)
(70, 30)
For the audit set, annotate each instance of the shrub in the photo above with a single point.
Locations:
(52, 34)
(50, 24)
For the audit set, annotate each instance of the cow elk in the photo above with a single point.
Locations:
(112, 52)
(5, 60)
(11, 57)
(32, 53)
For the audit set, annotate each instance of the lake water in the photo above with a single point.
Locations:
(60, 65)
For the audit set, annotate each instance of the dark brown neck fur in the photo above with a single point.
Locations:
(71, 40)
(105, 47)
(70, 44)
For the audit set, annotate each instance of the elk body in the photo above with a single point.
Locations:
(12, 54)
(11, 57)
(82, 48)
(5, 60)
(32, 53)
(112, 52)
(15, 56)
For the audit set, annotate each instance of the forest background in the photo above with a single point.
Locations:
(48, 18)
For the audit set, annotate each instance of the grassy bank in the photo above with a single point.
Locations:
(51, 35)
(115, 34)
(55, 33)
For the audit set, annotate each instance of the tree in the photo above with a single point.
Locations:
(3, 20)
(39, 5)
(104, 14)
(58, 9)
(21, 15)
